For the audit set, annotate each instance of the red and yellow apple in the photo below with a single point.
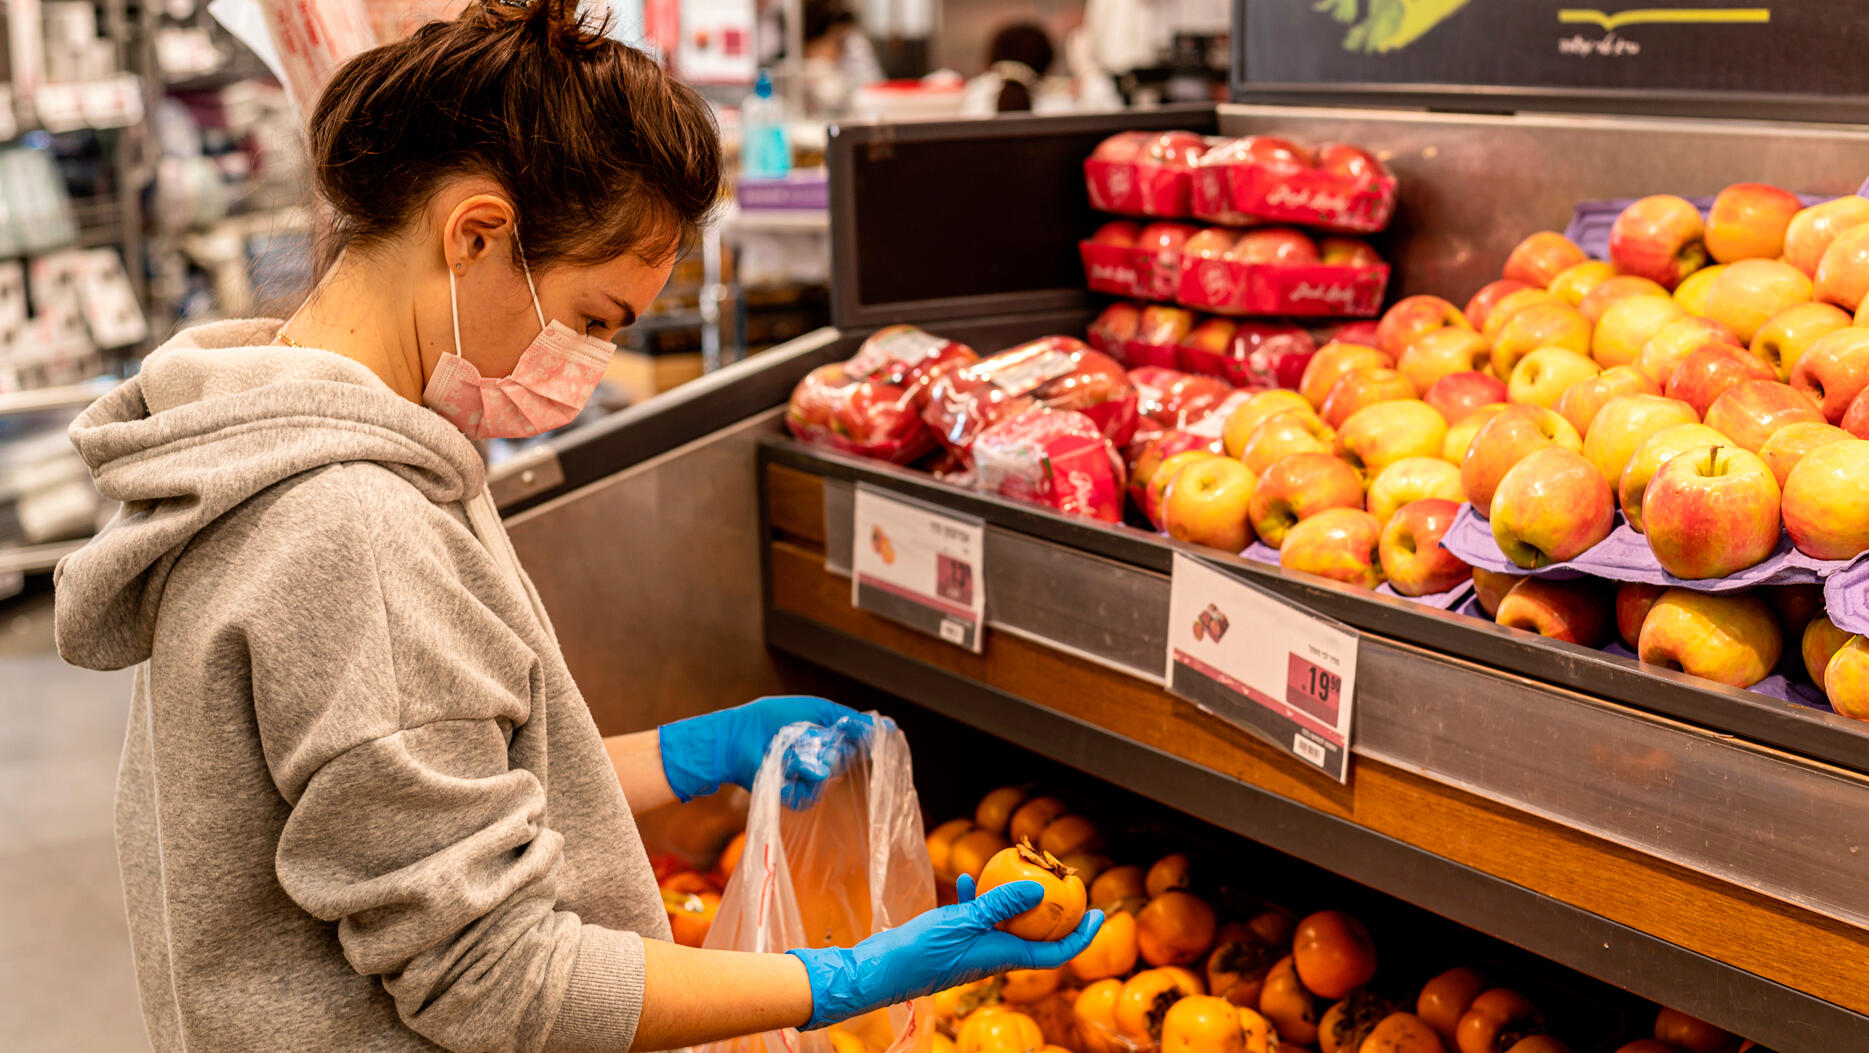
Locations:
(1704, 375)
(1206, 504)
(1157, 487)
(1693, 290)
(1575, 611)
(1552, 506)
(1846, 679)
(1540, 325)
(1747, 294)
(1711, 512)
(1541, 257)
(1412, 557)
(1544, 375)
(1342, 544)
(1333, 360)
(1460, 435)
(1377, 436)
(1628, 325)
(1659, 238)
(1658, 450)
(1856, 418)
(1443, 352)
(1362, 387)
(1411, 317)
(1503, 441)
(1751, 410)
(1825, 509)
(1633, 599)
(1458, 394)
(1482, 303)
(1276, 246)
(1409, 480)
(1247, 416)
(1299, 487)
(1491, 586)
(1842, 276)
(1727, 638)
(1785, 336)
(1157, 453)
(1283, 434)
(1834, 370)
(1587, 397)
(1624, 424)
(1573, 283)
(1812, 230)
(1675, 341)
(1748, 221)
(1510, 304)
(1819, 643)
(1789, 444)
(1610, 291)
(1347, 252)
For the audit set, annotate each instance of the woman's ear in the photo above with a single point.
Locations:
(477, 228)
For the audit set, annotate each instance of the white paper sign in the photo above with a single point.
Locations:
(920, 565)
(1262, 664)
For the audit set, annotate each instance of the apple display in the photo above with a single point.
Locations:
(1842, 276)
(1747, 294)
(1491, 586)
(1856, 418)
(1412, 557)
(1607, 293)
(1789, 444)
(1362, 387)
(1210, 243)
(1299, 487)
(1551, 507)
(1624, 424)
(1627, 326)
(1710, 512)
(1658, 450)
(1751, 410)
(1573, 283)
(1704, 375)
(1460, 434)
(1813, 229)
(1347, 252)
(1543, 376)
(1834, 370)
(1540, 325)
(1782, 340)
(1333, 360)
(1342, 544)
(1633, 600)
(1541, 257)
(1247, 416)
(1825, 510)
(1749, 220)
(1846, 679)
(1659, 238)
(1121, 233)
(1480, 305)
(1413, 316)
(1409, 480)
(1819, 643)
(1511, 304)
(1693, 290)
(1457, 395)
(1443, 352)
(1578, 611)
(1503, 441)
(1729, 639)
(1283, 434)
(1157, 486)
(1206, 504)
(1377, 436)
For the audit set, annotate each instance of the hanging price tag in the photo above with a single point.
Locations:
(1262, 664)
(919, 564)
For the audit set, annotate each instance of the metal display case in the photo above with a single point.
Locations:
(1696, 845)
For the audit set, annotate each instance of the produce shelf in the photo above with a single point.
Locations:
(1672, 857)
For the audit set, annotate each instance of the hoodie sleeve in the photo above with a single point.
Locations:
(389, 699)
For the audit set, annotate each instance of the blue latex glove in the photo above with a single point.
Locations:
(936, 950)
(704, 753)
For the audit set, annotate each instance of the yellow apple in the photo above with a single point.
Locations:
(1505, 440)
(1511, 304)
(1624, 424)
(1443, 352)
(1413, 479)
(1460, 433)
(1377, 436)
(1206, 504)
(1824, 507)
(1660, 448)
(1747, 294)
(1540, 325)
(1299, 487)
(1693, 290)
(1342, 544)
(1675, 341)
(1244, 418)
(1543, 376)
(1821, 640)
(1789, 444)
(1842, 276)
(1727, 638)
(1333, 360)
(1846, 679)
(1812, 230)
(1551, 507)
(1606, 293)
(1575, 281)
(1587, 397)
(1784, 336)
(1283, 434)
(1628, 324)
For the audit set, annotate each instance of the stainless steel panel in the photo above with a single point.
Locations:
(1472, 185)
(839, 535)
(652, 578)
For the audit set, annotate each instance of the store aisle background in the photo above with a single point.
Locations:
(66, 981)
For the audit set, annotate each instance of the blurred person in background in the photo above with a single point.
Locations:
(1016, 62)
(839, 58)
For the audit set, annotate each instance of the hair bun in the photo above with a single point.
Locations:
(558, 24)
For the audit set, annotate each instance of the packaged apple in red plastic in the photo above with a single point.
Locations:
(1159, 248)
(1143, 173)
(1110, 172)
(1280, 270)
(1159, 333)
(1115, 327)
(908, 357)
(1211, 192)
(1167, 399)
(1338, 187)
(1057, 458)
(1058, 372)
(858, 415)
(1257, 355)
(1113, 263)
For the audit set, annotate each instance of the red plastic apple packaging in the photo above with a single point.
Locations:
(1255, 354)
(1262, 178)
(1168, 399)
(1114, 327)
(1159, 333)
(1112, 261)
(871, 405)
(1058, 372)
(1143, 173)
(909, 357)
(1057, 458)
(1279, 270)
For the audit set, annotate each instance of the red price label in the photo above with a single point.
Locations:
(1314, 690)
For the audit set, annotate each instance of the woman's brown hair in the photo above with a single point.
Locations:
(602, 152)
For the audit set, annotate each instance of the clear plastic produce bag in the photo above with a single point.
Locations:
(850, 865)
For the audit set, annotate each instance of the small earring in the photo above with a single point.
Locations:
(458, 266)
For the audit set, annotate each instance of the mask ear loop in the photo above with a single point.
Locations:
(535, 289)
(454, 312)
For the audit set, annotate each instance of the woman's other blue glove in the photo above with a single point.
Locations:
(704, 753)
(934, 951)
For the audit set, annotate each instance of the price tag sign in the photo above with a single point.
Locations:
(1262, 664)
(919, 564)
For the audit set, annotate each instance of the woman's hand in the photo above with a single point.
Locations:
(934, 951)
(704, 753)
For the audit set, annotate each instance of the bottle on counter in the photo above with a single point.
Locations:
(765, 149)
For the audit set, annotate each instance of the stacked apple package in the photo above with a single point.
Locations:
(1056, 458)
(1266, 271)
(871, 405)
(1057, 372)
(1168, 399)
(1143, 173)
(1262, 178)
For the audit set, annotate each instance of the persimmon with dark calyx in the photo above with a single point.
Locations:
(1402, 1033)
(1112, 951)
(1024, 986)
(1068, 834)
(1095, 1013)
(1346, 1024)
(1202, 1024)
(1257, 1032)
(1169, 872)
(1032, 817)
(1333, 953)
(1238, 964)
(1116, 884)
(1176, 928)
(1065, 898)
(998, 1029)
(995, 810)
(1446, 998)
(1291, 1006)
(1497, 1020)
(1692, 1034)
(972, 850)
(1146, 999)
(956, 1003)
(941, 845)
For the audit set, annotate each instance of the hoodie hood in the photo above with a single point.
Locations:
(217, 415)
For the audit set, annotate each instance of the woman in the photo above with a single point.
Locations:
(362, 805)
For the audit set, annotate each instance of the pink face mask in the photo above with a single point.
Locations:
(553, 379)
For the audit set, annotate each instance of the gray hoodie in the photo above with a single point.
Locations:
(362, 806)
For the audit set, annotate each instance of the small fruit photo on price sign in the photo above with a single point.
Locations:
(920, 565)
(1262, 664)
